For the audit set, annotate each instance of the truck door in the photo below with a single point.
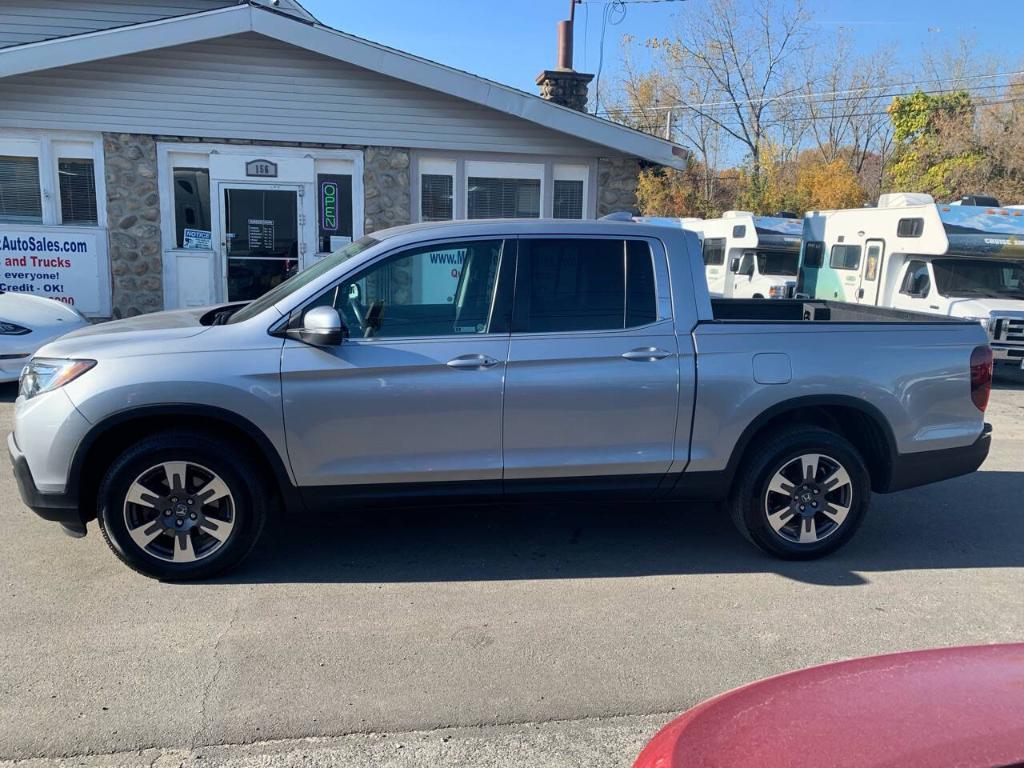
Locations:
(915, 288)
(871, 271)
(593, 378)
(414, 395)
(742, 278)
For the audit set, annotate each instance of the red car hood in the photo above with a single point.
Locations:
(960, 707)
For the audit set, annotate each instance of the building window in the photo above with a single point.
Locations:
(568, 202)
(192, 208)
(437, 197)
(20, 194)
(497, 198)
(77, 180)
(51, 179)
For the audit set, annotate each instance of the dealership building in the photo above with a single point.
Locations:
(178, 153)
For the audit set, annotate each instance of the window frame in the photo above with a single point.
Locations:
(832, 257)
(49, 147)
(662, 295)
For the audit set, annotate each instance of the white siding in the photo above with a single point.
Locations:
(253, 87)
(27, 21)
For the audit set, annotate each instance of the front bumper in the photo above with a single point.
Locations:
(57, 507)
(910, 470)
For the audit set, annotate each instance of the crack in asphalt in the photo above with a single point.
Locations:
(218, 666)
(175, 751)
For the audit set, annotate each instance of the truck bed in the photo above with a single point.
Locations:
(799, 310)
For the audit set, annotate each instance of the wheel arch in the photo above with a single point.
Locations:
(856, 420)
(108, 439)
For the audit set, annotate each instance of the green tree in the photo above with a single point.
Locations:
(937, 146)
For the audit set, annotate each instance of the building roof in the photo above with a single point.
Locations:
(311, 35)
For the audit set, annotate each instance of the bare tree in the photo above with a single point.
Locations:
(732, 61)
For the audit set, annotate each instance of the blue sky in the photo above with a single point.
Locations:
(512, 40)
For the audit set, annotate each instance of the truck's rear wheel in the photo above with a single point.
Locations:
(802, 494)
(177, 506)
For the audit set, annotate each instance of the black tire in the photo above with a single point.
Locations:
(752, 501)
(247, 505)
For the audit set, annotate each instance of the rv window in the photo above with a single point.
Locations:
(740, 230)
(845, 257)
(814, 254)
(714, 252)
(910, 228)
(916, 282)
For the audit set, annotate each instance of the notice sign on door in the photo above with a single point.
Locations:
(261, 234)
(53, 265)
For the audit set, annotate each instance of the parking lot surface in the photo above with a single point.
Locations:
(541, 635)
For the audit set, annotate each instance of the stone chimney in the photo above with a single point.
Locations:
(564, 85)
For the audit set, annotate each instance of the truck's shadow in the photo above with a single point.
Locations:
(972, 522)
(8, 392)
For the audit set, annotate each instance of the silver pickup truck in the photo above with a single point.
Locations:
(496, 359)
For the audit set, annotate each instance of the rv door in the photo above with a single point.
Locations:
(871, 272)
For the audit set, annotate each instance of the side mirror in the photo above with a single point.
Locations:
(322, 327)
(734, 265)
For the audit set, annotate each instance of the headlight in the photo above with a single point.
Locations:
(11, 329)
(43, 375)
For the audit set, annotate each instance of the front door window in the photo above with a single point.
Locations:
(261, 238)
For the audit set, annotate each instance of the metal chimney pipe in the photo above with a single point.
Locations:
(565, 44)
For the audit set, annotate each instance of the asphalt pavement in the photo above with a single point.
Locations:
(498, 636)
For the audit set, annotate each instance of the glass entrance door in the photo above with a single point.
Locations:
(261, 239)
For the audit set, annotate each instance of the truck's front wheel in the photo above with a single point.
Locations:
(178, 505)
(802, 494)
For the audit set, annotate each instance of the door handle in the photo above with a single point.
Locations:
(646, 354)
(472, 362)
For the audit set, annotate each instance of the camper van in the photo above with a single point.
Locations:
(746, 256)
(910, 253)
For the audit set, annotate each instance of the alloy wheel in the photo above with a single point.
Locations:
(180, 512)
(808, 498)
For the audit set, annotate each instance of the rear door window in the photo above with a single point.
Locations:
(582, 284)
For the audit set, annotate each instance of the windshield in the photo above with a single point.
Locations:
(778, 262)
(302, 279)
(979, 278)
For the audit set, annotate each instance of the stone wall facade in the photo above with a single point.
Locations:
(386, 186)
(133, 219)
(617, 184)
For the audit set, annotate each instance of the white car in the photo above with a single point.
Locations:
(27, 323)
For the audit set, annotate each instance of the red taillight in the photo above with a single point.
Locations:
(981, 376)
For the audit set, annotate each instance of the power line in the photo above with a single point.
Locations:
(847, 93)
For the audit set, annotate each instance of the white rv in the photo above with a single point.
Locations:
(910, 253)
(746, 256)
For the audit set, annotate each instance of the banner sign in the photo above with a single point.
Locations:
(64, 266)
